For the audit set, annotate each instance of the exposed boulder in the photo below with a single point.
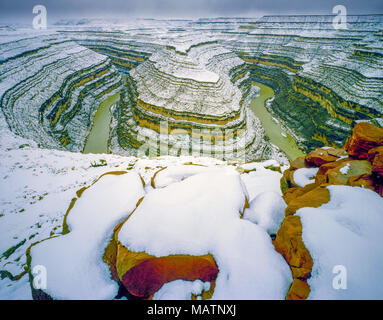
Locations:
(146, 277)
(288, 242)
(314, 198)
(375, 155)
(143, 274)
(364, 137)
(364, 181)
(348, 169)
(298, 163)
(299, 290)
(321, 176)
(320, 156)
(296, 192)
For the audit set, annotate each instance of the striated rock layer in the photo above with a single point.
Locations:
(324, 79)
(196, 74)
(50, 87)
(190, 96)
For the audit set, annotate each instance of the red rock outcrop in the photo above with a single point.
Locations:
(321, 156)
(289, 244)
(359, 163)
(142, 274)
(375, 155)
(365, 136)
(148, 276)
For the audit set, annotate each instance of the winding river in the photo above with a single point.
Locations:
(97, 140)
(272, 129)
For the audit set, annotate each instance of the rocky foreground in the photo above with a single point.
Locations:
(225, 231)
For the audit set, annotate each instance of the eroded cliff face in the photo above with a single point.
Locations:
(51, 87)
(195, 75)
(189, 95)
(324, 79)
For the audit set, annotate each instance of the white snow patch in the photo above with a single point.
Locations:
(261, 180)
(345, 169)
(267, 211)
(74, 261)
(345, 231)
(305, 176)
(181, 290)
(201, 215)
(178, 173)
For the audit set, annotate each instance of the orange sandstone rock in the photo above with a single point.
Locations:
(143, 274)
(320, 156)
(289, 243)
(146, 277)
(365, 181)
(314, 198)
(299, 290)
(365, 136)
(296, 192)
(342, 173)
(376, 158)
(298, 163)
(321, 176)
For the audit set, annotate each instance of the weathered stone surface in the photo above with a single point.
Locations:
(342, 173)
(146, 277)
(143, 274)
(321, 176)
(289, 243)
(314, 198)
(296, 192)
(285, 181)
(364, 181)
(364, 137)
(375, 156)
(320, 156)
(298, 163)
(299, 290)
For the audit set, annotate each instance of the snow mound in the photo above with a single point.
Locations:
(201, 215)
(74, 261)
(178, 173)
(345, 231)
(262, 179)
(304, 176)
(181, 290)
(267, 210)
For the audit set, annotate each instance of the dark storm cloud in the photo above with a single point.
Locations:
(57, 9)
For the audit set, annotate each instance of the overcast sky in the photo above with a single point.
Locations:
(21, 10)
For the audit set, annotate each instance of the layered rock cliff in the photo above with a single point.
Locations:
(50, 88)
(325, 80)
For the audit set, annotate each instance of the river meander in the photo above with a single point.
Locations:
(272, 129)
(97, 140)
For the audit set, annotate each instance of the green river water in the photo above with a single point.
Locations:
(97, 141)
(272, 129)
